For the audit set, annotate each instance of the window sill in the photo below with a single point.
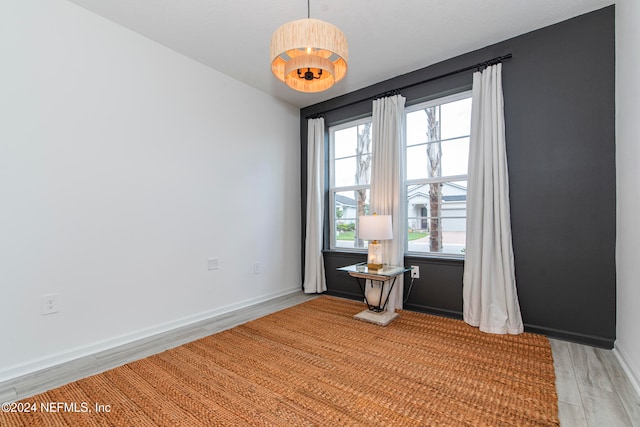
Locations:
(446, 257)
(412, 255)
(345, 251)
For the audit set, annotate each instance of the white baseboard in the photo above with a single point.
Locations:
(632, 374)
(56, 359)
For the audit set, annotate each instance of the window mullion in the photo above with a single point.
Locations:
(436, 180)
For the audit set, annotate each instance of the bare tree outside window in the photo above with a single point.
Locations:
(434, 153)
(363, 171)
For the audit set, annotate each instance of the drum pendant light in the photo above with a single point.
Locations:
(309, 55)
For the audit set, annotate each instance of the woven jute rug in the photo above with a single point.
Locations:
(313, 364)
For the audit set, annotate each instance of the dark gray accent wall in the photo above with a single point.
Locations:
(560, 130)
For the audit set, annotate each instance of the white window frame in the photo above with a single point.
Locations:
(332, 188)
(422, 181)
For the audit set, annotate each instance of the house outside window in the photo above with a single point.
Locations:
(350, 177)
(437, 156)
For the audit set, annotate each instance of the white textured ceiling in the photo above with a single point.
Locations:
(386, 38)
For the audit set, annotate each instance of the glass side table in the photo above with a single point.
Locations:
(376, 297)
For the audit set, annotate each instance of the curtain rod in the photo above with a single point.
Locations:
(477, 66)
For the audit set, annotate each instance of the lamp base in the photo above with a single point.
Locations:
(381, 319)
(375, 266)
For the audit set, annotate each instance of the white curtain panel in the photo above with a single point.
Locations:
(386, 181)
(314, 275)
(490, 299)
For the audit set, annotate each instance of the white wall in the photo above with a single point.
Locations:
(628, 185)
(123, 167)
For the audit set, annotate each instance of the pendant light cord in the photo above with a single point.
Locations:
(308, 9)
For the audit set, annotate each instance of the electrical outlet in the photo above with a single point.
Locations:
(415, 272)
(257, 268)
(213, 264)
(49, 304)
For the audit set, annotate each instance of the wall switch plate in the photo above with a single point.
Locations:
(213, 263)
(415, 272)
(49, 304)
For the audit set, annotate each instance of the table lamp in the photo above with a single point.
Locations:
(375, 228)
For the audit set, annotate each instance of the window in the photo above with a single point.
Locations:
(437, 155)
(435, 176)
(350, 174)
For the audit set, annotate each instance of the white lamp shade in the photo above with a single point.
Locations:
(375, 227)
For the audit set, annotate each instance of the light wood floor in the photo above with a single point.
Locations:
(593, 390)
